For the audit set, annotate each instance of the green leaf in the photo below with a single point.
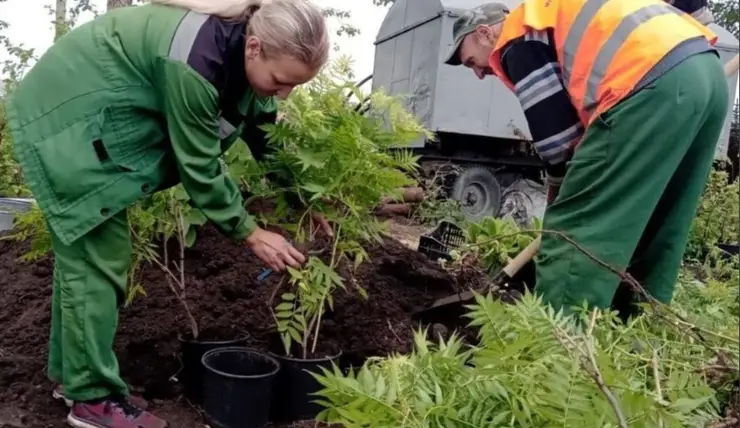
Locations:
(294, 273)
(295, 335)
(190, 236)
(196, 217)
(180, 194)
(686, 405)
(309, 159)
(314, 188)
(285, 306)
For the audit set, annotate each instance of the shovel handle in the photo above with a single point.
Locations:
(524, 257)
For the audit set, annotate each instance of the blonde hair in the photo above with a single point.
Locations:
(290, 27)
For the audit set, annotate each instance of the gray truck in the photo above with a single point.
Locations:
(482, 143)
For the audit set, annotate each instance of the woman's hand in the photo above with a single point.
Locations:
(274, 250)
(321, 222)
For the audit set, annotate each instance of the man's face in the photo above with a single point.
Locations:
(476, 47)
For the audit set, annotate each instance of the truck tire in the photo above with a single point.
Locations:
(478, 191)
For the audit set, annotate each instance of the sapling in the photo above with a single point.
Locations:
(300, 313)
(341, 165)
(149, 219)
(172, 221)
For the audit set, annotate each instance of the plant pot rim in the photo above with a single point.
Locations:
(244, 350)
(242, 337)
(308, 360)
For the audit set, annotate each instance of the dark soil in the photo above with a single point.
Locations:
(225, 298)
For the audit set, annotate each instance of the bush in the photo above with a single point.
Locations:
(718, 217)
(534, 368)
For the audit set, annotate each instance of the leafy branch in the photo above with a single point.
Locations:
(340, 164)
(299, 315)
(532, 367)
(589, 364)
(658, 307)
(176, 279)
(164, 216)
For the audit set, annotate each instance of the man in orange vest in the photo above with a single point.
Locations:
(625, 101)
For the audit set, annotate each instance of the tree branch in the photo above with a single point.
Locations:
(588, 362)
(656, 376)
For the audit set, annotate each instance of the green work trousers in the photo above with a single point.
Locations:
(89, 285)
(632, 189)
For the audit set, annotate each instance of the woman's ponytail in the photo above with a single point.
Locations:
(231, 9)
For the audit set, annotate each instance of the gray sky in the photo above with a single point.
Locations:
(31, 24)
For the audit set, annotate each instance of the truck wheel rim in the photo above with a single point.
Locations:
(475, 198)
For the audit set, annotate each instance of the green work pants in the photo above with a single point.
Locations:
(632, 189)
(89, 285)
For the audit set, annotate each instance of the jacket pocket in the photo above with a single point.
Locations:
(132, 139)
(75, 162)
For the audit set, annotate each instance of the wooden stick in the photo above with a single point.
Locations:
(410, 194)
(393, 209)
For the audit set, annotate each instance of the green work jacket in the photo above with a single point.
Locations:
(133, 102)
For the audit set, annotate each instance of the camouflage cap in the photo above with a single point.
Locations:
(485, 14)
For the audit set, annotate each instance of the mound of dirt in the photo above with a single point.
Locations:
(226, 299)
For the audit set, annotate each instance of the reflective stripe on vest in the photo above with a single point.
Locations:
(608, 50)
(181, 48)
(604, 46)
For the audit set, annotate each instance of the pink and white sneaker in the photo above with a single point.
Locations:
(112, 412)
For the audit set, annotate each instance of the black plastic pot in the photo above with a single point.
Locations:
(729, 250)
(294, 388)
(237, 387)
(192, 370)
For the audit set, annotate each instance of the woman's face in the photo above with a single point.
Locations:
(273, 76)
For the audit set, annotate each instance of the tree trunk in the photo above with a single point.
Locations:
(393, 210)
(112, 4)
(410, 194)
(60, 19)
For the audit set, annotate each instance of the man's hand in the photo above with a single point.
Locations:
(274, 250)
(552, 192)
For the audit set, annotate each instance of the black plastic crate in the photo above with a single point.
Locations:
(438, 243)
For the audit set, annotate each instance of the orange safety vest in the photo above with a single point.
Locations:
(604, 47)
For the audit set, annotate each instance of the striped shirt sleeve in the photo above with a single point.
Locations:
(531, 64)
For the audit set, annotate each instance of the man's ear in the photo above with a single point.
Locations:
(253, 47)
(484, 33)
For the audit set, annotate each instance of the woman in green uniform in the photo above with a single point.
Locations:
(131, 103)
